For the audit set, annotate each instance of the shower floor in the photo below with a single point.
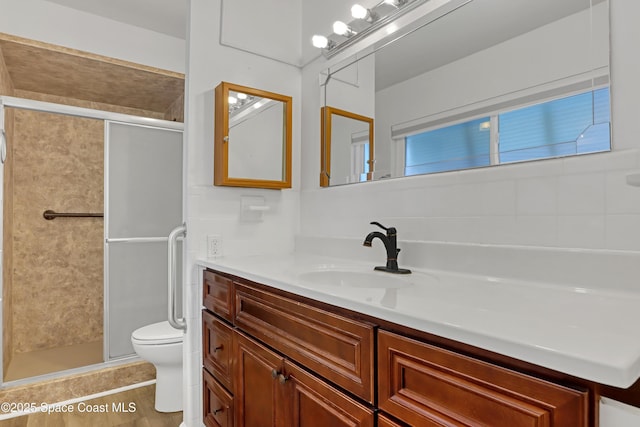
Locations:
(25, 365)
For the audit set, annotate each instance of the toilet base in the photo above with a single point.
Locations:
(161, 345)
(168, 396)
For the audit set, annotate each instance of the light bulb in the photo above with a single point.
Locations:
(340, 28)
(232, 100)
(242, 96)
(359, 12)
(257, 105)
(319, 41)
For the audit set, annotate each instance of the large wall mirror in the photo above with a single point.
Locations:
(252, 145)
(482, 83)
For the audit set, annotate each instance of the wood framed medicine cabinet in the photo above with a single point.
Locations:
(252, 137)
(341, 134)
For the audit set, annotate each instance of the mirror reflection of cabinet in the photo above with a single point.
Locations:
(347, 147)
(252, 145)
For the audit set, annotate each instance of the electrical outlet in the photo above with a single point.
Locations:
(214, 246)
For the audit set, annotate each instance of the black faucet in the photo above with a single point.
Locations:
(391, 245)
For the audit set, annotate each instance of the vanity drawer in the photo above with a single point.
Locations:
(217, 348)
(337, 348)
(217, 403)
(424, 385)
(218, 294)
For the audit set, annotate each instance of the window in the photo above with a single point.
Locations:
(461, 146)
(571, 125)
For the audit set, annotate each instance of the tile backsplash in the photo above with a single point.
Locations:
(581, 202)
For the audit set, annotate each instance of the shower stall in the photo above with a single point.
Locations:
(89, 198)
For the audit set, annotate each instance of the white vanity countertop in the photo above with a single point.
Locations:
(591, 334)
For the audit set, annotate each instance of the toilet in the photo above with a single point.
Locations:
(161, 345)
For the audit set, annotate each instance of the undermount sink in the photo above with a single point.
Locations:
(353, 279)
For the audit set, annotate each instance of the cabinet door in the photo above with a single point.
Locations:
(217, 403)
(258, 393)
(424, 385)
(217, 348)
(310, 402)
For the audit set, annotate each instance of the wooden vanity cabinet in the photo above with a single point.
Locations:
(217, 350)
(251, 367)
(287, 361)
(424, 385)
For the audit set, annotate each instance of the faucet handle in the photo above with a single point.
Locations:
(391, 231)
(379, 225)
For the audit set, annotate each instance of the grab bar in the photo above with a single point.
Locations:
(173, 238)
(49, 215)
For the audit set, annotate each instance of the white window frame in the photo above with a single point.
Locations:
(521, 99)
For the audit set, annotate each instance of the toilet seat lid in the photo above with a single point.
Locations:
(157, 333)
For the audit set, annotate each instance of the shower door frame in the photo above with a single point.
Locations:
(107, 347)
(68, 110)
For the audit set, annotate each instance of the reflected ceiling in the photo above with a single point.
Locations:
(509, 18)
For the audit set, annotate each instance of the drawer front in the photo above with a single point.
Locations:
(335, 347)
(217, 403)
(424, 385)
(217, 348)
(218, 294)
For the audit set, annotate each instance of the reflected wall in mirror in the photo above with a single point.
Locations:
(252, 145)
(536, 71)
(346, 147)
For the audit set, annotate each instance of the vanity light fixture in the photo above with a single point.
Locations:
(365, 21)
(361, 12)
(342, 29)
(321, 42)
(239, 101)
(395, 3)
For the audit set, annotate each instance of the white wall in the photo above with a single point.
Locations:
(49, 22)
(353, 87)
(579, 202)
(616, 414)
(216, 210)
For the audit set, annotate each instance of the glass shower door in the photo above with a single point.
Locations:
(143, 203)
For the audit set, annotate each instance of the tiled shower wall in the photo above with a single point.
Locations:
(6, 88)
(57, 270)
(57, 265)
